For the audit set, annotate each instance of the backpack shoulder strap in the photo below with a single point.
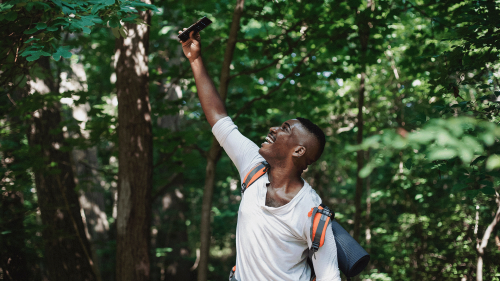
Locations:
(320, 218)
(254, 174)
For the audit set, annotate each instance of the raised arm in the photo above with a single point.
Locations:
(212, 104)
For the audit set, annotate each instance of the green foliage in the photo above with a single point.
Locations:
(431, 119)
(32, 29)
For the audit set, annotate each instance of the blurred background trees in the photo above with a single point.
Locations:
(407, 92)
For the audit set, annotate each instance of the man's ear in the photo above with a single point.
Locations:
(299, 151)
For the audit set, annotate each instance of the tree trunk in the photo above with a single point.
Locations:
(170, 208)
(214, 153)
(135, 159)
(92, 202)
(484, 241)
(368, 233)
(13, 256)
(85, 161)
(359, 159)
(364, 33)
(67, 250)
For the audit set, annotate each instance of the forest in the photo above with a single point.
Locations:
(110, 171)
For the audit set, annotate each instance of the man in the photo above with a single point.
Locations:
(273, 231)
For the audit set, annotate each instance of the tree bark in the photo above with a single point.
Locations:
(170, 208)
(13, 261)
(364, 34)
(214, 153)
(135, 152)
(484, 240)
(368, 233)
(67, 250)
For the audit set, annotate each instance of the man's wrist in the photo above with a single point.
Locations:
(196, 60)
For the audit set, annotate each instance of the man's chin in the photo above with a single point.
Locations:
(263, 153)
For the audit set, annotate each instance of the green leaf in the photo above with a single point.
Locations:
(480, 158)
(31, 40)
(423, 136)
(6, 6)
(116, 32)
(365, 171)
(62, 52)
(41, 25)
(484, 86)
(40, 5)
(472, 193)
(114, 22)
(31, 31)
(488, 190)
(29, 6)
(52, 28)
(466, 154)
(130, 18)
(11, 16)
(442, 154)
(458, 187)
(473, 144)
(409, 163)
(33, 56)
(86, 30)
(109, 2)
(123, 33)
(67, 10)
(57, 2)
(493, 162)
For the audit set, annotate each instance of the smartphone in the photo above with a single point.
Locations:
(197, 27)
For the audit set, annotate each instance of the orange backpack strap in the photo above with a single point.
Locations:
(257, 172)
(320, 218)
(232, 274)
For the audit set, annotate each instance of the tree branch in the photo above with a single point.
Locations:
(165, 187)
(274, 62)
(95, 168)
(268, 95)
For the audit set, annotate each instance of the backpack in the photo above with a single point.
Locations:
(352, 258)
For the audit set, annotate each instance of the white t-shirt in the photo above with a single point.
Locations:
(272, 243)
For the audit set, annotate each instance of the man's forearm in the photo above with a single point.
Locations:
(210, 100)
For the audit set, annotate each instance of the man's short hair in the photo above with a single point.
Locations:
(316, 131)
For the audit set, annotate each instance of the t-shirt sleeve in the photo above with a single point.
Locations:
(243, 152)
(325, 260)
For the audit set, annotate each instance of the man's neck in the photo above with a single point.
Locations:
(285, 179)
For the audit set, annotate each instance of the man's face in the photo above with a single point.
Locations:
(282, 142)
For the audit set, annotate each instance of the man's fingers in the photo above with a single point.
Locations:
(191, 34)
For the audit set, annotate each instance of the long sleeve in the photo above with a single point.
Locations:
(243, 152)
(325, 263)
(325, 260)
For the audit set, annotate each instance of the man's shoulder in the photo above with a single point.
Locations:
(310, 199)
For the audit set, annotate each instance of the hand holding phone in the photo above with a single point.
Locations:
(190, 38)
(196, 27)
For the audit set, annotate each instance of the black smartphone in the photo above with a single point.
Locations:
(197, 27)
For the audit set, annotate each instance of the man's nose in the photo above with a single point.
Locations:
(273, 130)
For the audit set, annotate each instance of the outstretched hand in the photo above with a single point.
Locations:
(192, 46)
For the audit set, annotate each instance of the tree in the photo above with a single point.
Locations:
(135, 153)
(214, 153)
(67, 250)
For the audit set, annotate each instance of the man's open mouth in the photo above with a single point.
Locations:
(270, 139)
